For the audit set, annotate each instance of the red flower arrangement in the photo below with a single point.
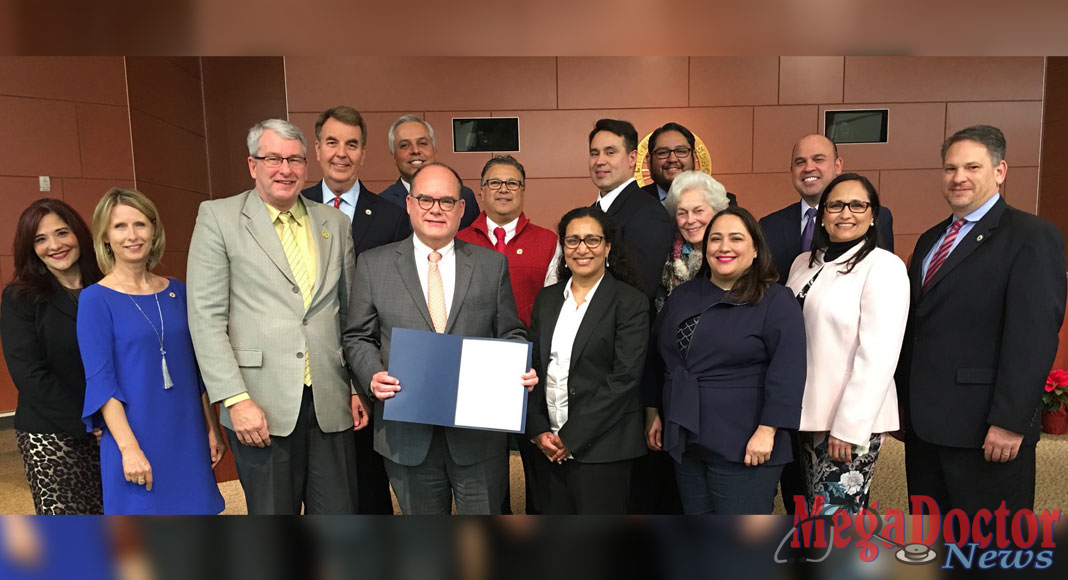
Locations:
(1056, 390)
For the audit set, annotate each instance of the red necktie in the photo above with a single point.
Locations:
(499, 234)
(337, 202)
(943, 252)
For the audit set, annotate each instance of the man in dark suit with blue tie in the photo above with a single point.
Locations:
(988, 293)
(413, 145)
(813, 164)
(340, 141)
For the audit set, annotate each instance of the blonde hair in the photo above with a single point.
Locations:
(105, 257)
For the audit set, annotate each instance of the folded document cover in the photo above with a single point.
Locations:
(458, 381)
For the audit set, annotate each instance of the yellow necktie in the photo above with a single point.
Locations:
(436, 293)
(300, 273)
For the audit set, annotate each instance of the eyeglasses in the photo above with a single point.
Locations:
(511, 184)
(855, 206)
(426, 202)
(681, 152)
(591, 241)
(274, 161)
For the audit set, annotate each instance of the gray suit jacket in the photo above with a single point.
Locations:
(247, 317)
(387, 295)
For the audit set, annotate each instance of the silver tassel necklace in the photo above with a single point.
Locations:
(167, 382)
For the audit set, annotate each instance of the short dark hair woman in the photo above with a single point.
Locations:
(53, 254)
(732, 342)
(590, 334)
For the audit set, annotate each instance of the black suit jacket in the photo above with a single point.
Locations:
(397, 192)
(782, 230)
(646, 232)
(651, 189)
(604, 417)
(981, 339)
(41, 349)
(376, 222)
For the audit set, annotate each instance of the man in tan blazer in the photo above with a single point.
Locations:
(269, 278)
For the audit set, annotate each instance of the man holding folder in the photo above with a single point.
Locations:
(432, 282)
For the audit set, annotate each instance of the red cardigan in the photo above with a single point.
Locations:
(529, 253)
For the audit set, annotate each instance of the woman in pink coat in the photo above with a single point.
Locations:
(855, 299)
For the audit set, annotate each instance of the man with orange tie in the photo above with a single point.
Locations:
(433, 282)
(340, 144)
(340, 137)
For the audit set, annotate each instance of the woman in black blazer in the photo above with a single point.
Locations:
(590, 334)
(37, 327)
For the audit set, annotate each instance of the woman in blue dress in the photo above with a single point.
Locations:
(160, 439)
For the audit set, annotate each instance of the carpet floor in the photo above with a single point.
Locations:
(888, 486)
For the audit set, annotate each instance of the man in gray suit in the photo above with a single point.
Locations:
(269, 280)
(434, 282)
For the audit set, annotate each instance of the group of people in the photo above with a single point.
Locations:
(687, 358)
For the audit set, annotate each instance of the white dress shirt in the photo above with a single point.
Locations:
(509, 233)
(556, 373)
(447, 267)
(607, 199)
(348, 199)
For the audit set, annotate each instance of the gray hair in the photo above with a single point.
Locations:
(714, 192)
(284, 128)
(410, 119)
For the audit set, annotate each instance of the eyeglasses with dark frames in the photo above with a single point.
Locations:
(855, 206)
(590, 240)
(682, 152)
(511, 184)
(426, 202)
(274, 161)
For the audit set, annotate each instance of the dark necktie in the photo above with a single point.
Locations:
(810, 226)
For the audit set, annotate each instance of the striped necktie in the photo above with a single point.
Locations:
(300, 272)
(943, 252)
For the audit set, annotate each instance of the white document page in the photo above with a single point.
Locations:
(490, 392)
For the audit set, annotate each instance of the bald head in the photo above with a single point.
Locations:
(813, 164)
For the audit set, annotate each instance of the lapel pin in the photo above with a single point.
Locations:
(172, 295)
(326, 235)
(979, 238)
(519, 251)
(367, 211)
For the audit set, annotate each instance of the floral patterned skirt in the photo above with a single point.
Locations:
(842, 484)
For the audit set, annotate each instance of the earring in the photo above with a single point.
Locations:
(872, 222)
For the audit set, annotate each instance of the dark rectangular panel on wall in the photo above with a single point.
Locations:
(238, 93)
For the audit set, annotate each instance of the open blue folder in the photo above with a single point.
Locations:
(458, 381)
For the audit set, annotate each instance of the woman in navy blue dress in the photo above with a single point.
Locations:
(161, 439)
(732, 342)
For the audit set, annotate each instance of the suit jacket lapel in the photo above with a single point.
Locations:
(258, 224)
(61, 301)
(978, 234)
(362, 215)
(923, 247)
(324, 242)
(605, 296)
(464, 269)
(552, 307)
(315, 192)
(406, 268)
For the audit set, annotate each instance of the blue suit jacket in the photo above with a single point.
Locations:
(397, 192)
(375, 221)
(782, 230)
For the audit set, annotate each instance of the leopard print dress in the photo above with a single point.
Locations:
(63, 472)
